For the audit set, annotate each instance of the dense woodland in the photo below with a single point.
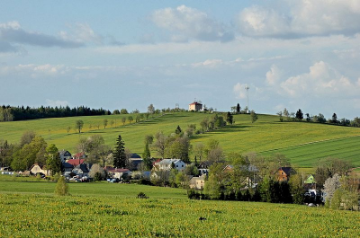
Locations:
(8, 113)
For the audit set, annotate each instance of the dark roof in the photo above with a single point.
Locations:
(67, 165)
(134, 155)
(83, 167)
(65, 152)
(286, 170)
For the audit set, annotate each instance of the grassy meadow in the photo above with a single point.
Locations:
(29, 209)
(304, 143)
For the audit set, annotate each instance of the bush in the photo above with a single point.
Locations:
(142, 195)
(62, 187)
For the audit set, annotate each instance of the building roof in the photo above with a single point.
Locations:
(75, 162)
(115, 170)
(287, 170)
(135, 156)
(63, 152)
(67, 165)
(195, 103)
(83, 167)
(169, 161)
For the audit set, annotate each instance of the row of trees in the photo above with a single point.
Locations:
(285, 115)
(8, 113)
(31, 149)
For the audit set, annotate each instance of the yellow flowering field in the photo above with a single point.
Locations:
(45, 215)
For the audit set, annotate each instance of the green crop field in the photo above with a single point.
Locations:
(29, 209)
(303, 143)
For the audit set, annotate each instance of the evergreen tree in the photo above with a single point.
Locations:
(178, 130)
(238, 108)
(299, 115)
(119, 153)
(334, 119)
(229, 118)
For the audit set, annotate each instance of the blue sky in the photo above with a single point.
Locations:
(128, 54)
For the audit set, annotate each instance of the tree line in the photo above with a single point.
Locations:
(8, 113)
(285, 115)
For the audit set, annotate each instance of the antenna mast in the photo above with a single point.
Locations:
(247, 94)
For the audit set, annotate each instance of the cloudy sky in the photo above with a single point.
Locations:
(127, 54)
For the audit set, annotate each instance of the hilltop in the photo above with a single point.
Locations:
(303, 143)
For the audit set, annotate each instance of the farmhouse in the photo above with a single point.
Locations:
(117, 173)
(283, 174)
(36, 169)
(168, 164)
(197, 182)
(64, 155)
(195, 106)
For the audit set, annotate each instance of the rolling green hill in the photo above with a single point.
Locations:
(304, 143)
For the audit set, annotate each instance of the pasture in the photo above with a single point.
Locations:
(114, 211)
(304, 143)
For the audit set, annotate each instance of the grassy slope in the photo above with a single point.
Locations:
(304, 143)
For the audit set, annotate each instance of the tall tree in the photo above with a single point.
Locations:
(299, 115)
(160, 143)
(119, 153)
(151, 109)
(238, 108)
(53, 161)
(79, 125)
(334, 119)
(229, 118)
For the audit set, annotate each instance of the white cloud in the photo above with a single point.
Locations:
(240, 90)
(208, 63)
(56, 103)
(83, 33)
(301, 18)
(273, 76)
(186, 22)
(259, 21)
(321, 80)
(12, 33)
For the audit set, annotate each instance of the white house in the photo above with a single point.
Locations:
(166, 164)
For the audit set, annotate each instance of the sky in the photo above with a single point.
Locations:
(294, 54)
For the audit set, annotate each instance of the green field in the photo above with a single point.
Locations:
(304, 143)
(29, 209)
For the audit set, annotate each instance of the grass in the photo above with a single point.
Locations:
(304, 143)
(114, 211)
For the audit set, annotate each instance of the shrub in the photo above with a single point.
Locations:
(62, 187)
(142, 195)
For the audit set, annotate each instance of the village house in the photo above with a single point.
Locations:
(117, 173)
(283, 174)
(64, 155)
(197, 182)
(168, 164)
(134, 161)
(36, 169)
(195, 106)
(82, 170)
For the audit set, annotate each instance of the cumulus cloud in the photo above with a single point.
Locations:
(190, 23)
(240, 90)
(305, 18)
(321, 80)
(273, 76)
(11, 34)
